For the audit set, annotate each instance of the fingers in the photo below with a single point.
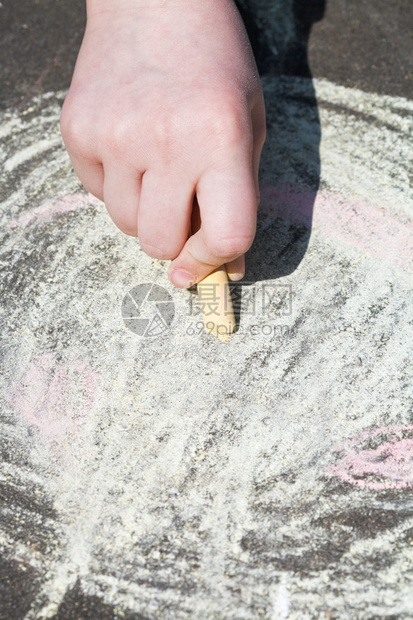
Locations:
(121, 191)
(90, 174)
(85, 161)
(228, 207)
(228, 201)
(157, 205)
(164, 213)
(154, 206)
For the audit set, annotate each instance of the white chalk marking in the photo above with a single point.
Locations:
(29, 153)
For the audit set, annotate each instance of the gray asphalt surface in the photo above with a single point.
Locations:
(238, 525)
(365, 44)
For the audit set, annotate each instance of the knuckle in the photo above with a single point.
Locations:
(120, 136)
(71, 124)
(116, 136)
(229, 124)
(161, 131)
(164, 135)
(77, 130)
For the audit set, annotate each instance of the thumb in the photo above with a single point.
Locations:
(227, 222)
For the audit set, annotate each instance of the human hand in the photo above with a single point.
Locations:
(165, 105)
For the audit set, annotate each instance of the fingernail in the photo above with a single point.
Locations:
(181, 278)
(235, 277)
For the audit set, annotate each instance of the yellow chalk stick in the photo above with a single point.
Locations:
(216, 304)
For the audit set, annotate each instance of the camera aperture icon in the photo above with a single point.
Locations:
(148, 310)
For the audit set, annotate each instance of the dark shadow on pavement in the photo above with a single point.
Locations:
(290, 165)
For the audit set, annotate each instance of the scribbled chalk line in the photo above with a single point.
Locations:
(378, 459)
(62, 577)
(54, 208)
(30, 152)
(54, 396)
(353, 221)
(345, 219)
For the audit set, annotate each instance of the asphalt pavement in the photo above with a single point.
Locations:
(149, 470)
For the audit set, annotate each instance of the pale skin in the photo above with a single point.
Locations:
(165, 106)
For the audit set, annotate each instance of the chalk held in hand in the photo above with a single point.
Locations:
(216, 304)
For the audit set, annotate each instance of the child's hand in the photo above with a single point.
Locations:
(166, 103)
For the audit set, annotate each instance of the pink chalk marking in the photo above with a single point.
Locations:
(357, 222)
(378, 459)
(50, 208)
(42, 76)
(54, 396)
